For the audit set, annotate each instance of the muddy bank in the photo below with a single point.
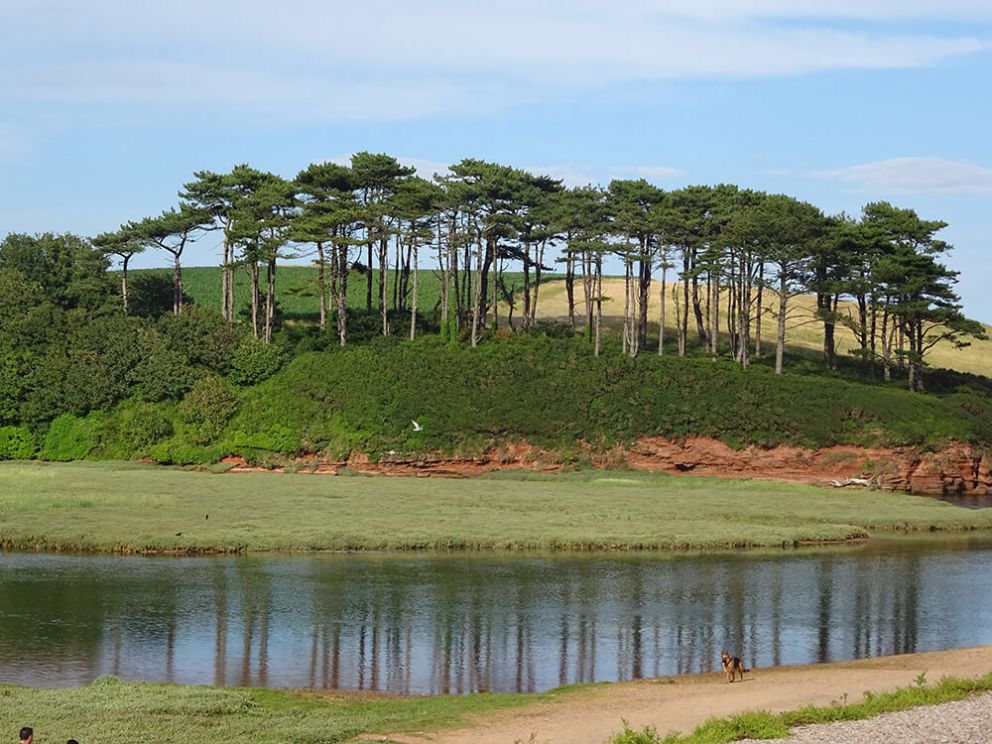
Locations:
(957, 469)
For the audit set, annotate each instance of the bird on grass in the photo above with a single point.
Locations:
(416, 426)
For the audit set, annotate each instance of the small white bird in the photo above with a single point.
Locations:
(416, 426)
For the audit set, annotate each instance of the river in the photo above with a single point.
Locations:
(434, 624)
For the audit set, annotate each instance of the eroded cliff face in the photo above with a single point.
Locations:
(957, 469)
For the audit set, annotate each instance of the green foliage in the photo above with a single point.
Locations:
(553, 393)
(206, 409)
(70, 271)
(16, 443)
(178, 452)
(202, 336)
(648, 735)
(71, 437)
(276, 439)
(131, 429)
(254, 362)
(762, 725)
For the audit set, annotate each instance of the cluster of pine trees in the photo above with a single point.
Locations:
(720, 252)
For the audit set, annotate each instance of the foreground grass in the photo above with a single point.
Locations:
(763, 725)
(144, 713)
(134, 508)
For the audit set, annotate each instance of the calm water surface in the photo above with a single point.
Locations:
(457, 624)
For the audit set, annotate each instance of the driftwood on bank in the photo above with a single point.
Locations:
(872, 484)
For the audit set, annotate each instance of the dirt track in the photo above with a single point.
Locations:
(591, 716)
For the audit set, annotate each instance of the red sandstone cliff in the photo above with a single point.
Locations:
(958, 468)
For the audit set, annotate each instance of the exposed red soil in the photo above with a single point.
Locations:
(957, 469)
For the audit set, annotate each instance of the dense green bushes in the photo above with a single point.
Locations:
(16, 443)
(72, 438)
(550, 392)
(553, 393)
(545, 391)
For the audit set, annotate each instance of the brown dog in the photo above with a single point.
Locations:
(732, 665)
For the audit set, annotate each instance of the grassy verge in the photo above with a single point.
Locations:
(144, 713)
(764, 725)
(133, 508)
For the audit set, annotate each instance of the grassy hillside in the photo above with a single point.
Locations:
(548, 392)
(555, 393)
(296, 287)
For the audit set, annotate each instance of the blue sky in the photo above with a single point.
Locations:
(106, 110)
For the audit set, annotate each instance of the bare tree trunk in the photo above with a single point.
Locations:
(495, 289)
(626, 307)
(644, 290)
(526, 308)
(384, 283)
(413, 299)
(697, 311)
(733, 298)
(783, 298)
(342, 294)
(322, 285)
(900, 357)
(177, 285)
(477, 304)
(444, 264)
(270, 298)
(369, 279)
(715, 314)
(537, 280)
(253, 274)
(599, 301)
(570, 286)
(759, 311)
(225, 279)
(661, 309)
(684, 320)
(126, 259)
(588, 284)
(886, 346)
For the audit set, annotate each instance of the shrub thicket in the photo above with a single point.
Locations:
(16, 443)
(72, 438)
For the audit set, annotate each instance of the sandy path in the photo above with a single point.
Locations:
(592, 716)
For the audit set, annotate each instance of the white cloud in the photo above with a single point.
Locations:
(571, 176)
(425, 168)
(184, 87)
(381, 59)
(931, 175)
(649, 172)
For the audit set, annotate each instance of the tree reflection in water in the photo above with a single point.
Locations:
(458, 624)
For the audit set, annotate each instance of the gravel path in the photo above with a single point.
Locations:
(961, 722)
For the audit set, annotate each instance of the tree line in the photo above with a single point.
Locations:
(720, 253)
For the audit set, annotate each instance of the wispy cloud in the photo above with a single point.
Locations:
(649, 172)
(314, 58)
(928, 175)
(424, 168)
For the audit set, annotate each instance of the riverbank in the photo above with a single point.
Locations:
(145, 713)
(131, 508)
(593, 715)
